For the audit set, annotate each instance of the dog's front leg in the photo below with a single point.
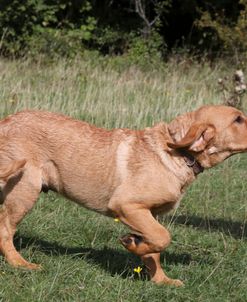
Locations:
(147, 241)
(156, 273)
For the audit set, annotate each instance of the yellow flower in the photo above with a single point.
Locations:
(138, 270)
(116, 219)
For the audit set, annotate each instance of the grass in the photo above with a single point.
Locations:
(79, 250)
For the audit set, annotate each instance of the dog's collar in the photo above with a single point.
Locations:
(192, 162)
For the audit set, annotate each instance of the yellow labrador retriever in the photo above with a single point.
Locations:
(132, 175)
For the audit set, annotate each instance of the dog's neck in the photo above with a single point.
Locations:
(191, 162)
(157, 138)
(177, 129)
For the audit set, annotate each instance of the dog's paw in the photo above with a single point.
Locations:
(34, 266)
(168, 281)
(131, 241)
(176, 282)
(23, 264)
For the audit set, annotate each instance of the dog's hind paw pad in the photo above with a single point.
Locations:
(131, 239)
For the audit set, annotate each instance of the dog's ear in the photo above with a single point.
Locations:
(196, 139)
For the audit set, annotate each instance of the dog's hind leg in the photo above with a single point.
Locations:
(20, 194)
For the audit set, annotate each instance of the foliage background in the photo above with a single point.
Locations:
(113, 27)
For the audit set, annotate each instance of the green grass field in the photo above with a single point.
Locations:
(79, 250)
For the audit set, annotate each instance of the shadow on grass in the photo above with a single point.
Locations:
(115, 262)
(118, 262)
(235, 229)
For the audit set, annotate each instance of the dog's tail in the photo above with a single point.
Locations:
(12, 170)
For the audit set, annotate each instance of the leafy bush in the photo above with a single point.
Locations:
(44, 26)
(146, 52)
(17, 20)
(142, 30)
(229, 33)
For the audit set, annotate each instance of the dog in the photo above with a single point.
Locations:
(132, 175)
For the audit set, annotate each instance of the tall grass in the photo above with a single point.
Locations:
(105, 96)
(78, 249)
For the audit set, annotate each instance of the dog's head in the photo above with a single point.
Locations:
(211, 133)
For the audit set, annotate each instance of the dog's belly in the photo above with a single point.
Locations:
(89, 180)
(97, 201)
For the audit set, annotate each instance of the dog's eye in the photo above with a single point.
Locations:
(239, 120)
